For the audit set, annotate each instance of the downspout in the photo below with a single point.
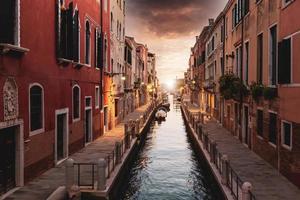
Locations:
(241, 76)
(101, 68)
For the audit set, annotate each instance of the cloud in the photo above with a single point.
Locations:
(172, 18)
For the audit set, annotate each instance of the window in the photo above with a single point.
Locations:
(105, 55)
(116, 108)
(238, 61)
(273, 128)
(286, 134)
(260, 58)
(87, 42)
(246, 78)
(273, 56)
(260, 122)
(210, 46)
(97, 97)
(76, 102)
(36, 108)
(67, 31)
(246, 6)
(284, 62)
(111, 21)
(9, 26)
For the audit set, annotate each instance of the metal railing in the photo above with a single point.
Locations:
(87, 175)
(233, 181)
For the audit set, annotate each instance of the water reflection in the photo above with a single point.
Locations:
(167, 167)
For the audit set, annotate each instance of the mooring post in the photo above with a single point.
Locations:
(224, 161)
(212, 151)
(101, 166)
(70, 172)
(246, 189)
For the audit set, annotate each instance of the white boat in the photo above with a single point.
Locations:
(161, 115)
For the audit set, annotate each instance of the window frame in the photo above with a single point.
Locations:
(271, 143)
(283, 135)
(285, 4)
(79, 104)
(42, 129)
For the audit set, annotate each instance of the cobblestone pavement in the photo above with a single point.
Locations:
(267, 182)
(41, 187)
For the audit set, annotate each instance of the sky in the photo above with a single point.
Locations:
(169, 28)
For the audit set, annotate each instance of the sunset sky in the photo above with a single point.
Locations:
(169, 28)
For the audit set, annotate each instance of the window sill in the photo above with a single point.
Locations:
(286, 147)
(14, 50)
(272, 145)
(78, 65)
(36, 132)
(285, 5)
(63, 61)
(76, 120)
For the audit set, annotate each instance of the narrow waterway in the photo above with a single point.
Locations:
(167, 167)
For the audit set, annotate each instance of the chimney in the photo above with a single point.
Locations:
(211, 21)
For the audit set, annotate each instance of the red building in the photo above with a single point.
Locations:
(52, 58)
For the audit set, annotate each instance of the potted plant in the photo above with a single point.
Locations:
(256, 90)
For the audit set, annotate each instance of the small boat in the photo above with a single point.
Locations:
(161, 115)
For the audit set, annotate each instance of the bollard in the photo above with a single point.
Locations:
(70, 172)
(118, 147)
(101, 167)
(246, 188)
(137, 127)
(224, 161)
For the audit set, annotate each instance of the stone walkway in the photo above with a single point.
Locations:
(41, 187)
(267, 182)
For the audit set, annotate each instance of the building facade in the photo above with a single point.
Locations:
(117, 47)
(258, 52)
(51, 90)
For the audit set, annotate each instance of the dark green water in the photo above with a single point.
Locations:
(168, 168)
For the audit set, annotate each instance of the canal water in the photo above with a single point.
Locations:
(167, 167)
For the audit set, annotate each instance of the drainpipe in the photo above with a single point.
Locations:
(241, 75)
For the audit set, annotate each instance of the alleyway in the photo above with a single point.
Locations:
(267, 182)
(43, 186)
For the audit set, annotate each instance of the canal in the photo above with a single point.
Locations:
(167, 167)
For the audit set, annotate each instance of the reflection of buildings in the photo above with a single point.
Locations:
(255, 42)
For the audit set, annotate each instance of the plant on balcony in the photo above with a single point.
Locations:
(270, 93)
(257, 90)
(231, 87)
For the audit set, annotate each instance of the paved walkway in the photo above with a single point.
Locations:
(41, 187)
(267, 182)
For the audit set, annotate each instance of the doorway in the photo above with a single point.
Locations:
(246, 126)
(88, 120)
(61, 136)
(8, 159)
(105, 118)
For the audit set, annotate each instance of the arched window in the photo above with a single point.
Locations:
(111, 21)
(87, 42)
(76, 102)
(36, 109)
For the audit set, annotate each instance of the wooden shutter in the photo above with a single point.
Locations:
(7, 21)
(284, 62)
(63, 34)
(58, 28)
(69, 36)
(76, 36)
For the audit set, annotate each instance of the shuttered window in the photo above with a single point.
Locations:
(260, 122)
(284, 62)
(76, 36)
(273, 128)
(67, 31)
(87, 42)
(259, 58)
(286, 134)
(36, 108)
(7, 21)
